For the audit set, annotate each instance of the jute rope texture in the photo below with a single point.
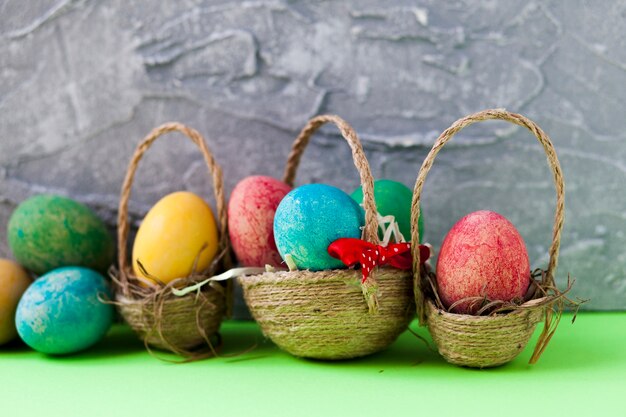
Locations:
(322, 314)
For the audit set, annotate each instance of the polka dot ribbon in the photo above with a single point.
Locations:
(356, 251)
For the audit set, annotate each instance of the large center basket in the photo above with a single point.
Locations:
(329, 314)
(496, 338)
(185, 325)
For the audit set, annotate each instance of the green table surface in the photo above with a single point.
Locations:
(583, 372)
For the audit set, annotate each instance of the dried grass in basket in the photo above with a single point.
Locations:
(186, 325)
(329, 314)
(500, 335)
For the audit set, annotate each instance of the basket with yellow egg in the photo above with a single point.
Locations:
(178, 244)
(483, 303)
(319, 309)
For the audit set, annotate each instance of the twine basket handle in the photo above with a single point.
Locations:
(553, 162)
(370, 230)
(358, 156)
(218, 188)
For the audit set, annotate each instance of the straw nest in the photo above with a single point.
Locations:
(185, 325)
(503, 329)
(331, 314)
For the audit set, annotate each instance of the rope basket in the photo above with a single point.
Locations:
(329, 314)
(498, 337)
(185, 325)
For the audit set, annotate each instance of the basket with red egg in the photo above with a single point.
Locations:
(482, 303)
(178, 244)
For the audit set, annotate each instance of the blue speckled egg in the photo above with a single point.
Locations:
(310, 218)
(61, 312)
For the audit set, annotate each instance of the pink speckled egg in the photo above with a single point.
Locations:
(251, 211)
(483, 255)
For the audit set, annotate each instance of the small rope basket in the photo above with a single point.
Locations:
(185, 325)
(498, 337)
(329, 314)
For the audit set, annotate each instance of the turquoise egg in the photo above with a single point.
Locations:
(62, 311)
(310, 218)
(395, 199)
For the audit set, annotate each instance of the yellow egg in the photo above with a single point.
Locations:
(179, 229)
(13, 282)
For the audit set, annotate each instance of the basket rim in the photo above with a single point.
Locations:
(528, 306)
(121, 299)
(326, 275)
(123, 294)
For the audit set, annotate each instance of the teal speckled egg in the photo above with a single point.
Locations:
(310, 218)
(62, 311)
(48, 231)
(393, 198)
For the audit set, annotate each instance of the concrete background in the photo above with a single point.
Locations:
(81, 82)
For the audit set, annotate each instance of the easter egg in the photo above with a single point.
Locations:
(49, 231)
(251, 210)
(393, 199)
(309, 219)
(178, 232)
(62, 312)
(13, 282)
(483, 255)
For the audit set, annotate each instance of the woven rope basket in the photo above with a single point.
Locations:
(185, 325)
(329, 314)
(492, 340)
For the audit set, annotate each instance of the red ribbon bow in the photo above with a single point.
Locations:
(356, 251)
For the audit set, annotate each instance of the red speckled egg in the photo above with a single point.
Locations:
(483, 255)
(251, 211)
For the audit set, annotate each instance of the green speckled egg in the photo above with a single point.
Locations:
(393, 198)
(46, 232)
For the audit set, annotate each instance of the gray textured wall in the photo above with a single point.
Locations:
(82, 81)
